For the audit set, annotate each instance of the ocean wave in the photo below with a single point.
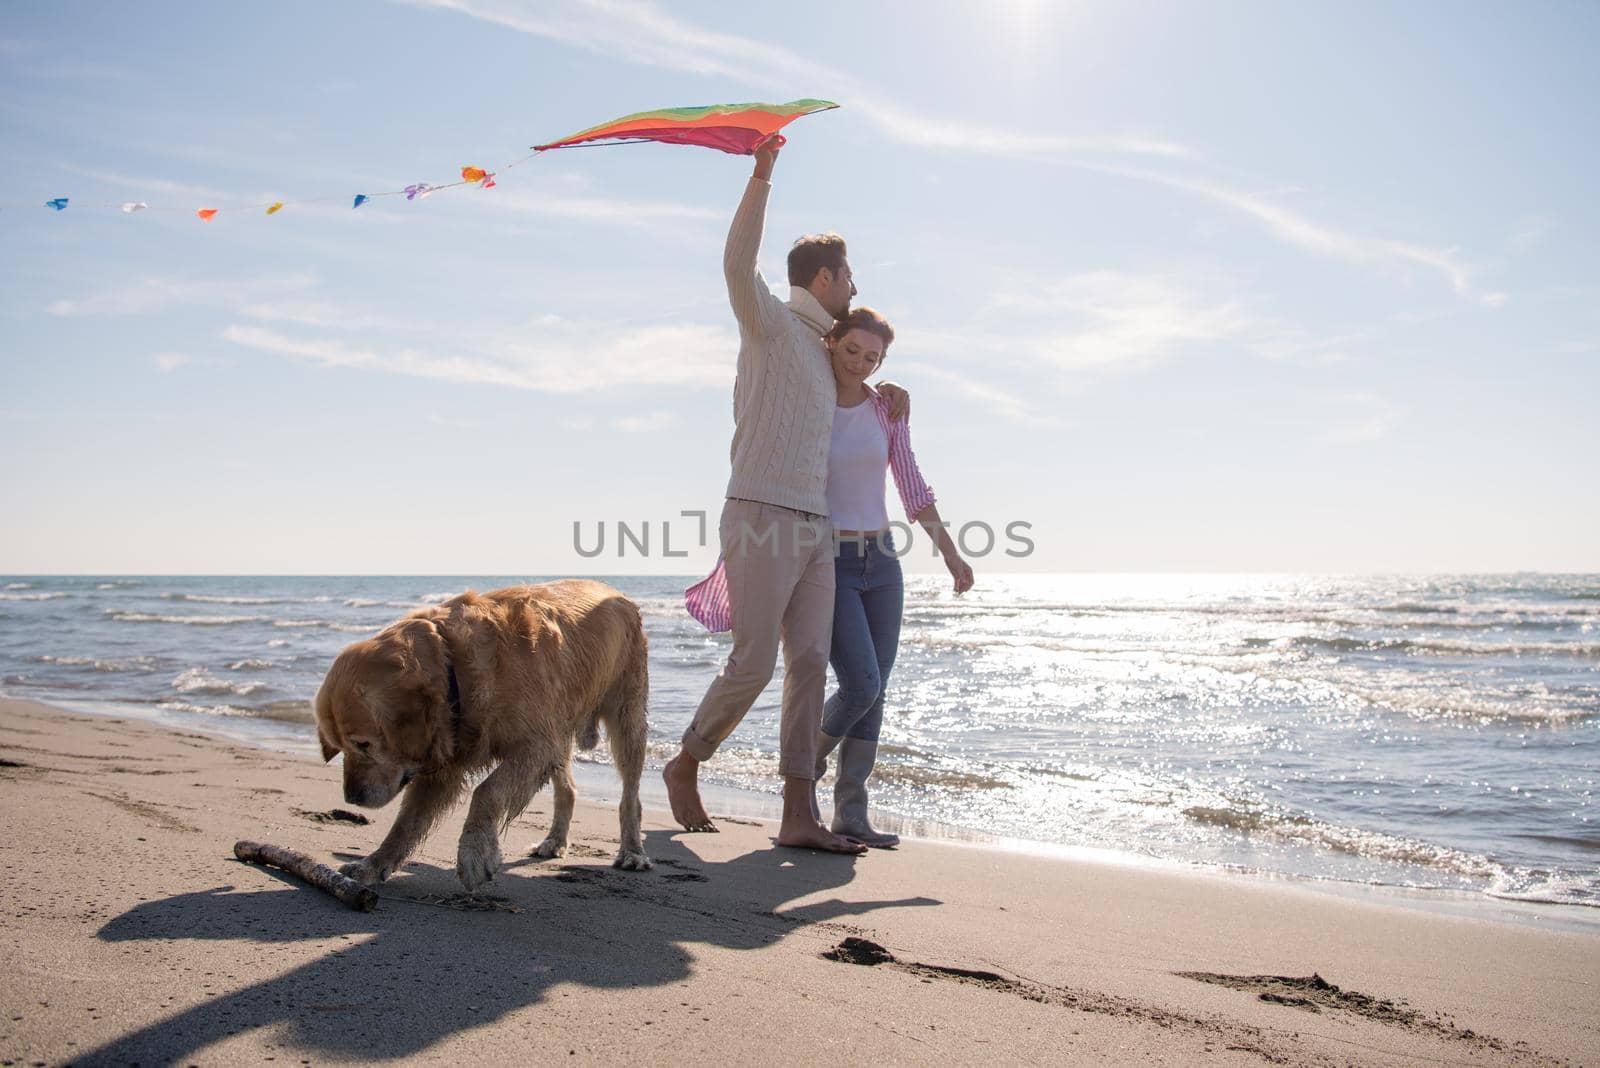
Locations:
(299, 623)
(1370, 845)
(49, 595)
(199, 680)
(286, 711)
(1545, 888)
(210, 598)
(933, 778)
(1439, 645)
(136, 663)
(1428, 704)
(253, 663)
(193, 621)
(19, 586)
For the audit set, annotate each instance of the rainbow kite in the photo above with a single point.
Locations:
(735, 128)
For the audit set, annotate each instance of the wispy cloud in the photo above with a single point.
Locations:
(151, 294)
(1359, 417)
(1298, 230)
(1118, 320)
(644, 34)
(979, 391)
(606, 210)
(323, 315)
(563, 357)
(147, 185)
(167, 362)
(644, 424)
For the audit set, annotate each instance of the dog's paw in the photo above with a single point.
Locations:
(366, 872)
(477, 859)
(551, 847)
(631, 861)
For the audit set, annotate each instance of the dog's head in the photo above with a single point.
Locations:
(385, 706)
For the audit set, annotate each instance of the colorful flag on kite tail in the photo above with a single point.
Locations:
(735, 128)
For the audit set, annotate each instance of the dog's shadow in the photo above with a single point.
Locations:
(426, 964)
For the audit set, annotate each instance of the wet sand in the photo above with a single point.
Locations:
(132, 935)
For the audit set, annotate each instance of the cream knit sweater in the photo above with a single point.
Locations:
(784, 393)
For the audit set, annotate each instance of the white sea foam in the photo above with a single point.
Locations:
(1369, 845)
(19, 586)
(199, 680)
(51, 595)
(135, 663)
(193, 621)
(210, 598)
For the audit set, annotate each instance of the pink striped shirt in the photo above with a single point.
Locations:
(707, 600)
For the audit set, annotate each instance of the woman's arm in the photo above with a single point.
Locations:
(960, 570)
(917, 497)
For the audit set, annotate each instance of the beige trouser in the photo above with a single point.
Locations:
(779, 564)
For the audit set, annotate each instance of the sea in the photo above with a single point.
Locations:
(1436, 733)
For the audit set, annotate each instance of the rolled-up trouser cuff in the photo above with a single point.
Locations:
(697, 746)
(799, 766)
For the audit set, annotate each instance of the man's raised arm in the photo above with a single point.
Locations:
(746, 290)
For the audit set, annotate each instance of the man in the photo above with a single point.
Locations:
(777, 543)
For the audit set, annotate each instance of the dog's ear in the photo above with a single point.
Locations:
(322, 706)
(422, 729)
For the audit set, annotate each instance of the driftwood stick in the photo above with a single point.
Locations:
(303, 867)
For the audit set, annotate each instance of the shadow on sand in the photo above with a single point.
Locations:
(414, 974)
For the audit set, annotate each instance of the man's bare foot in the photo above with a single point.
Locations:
(682, 776)
(812, 835)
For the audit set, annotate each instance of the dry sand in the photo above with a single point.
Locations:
(132, 935)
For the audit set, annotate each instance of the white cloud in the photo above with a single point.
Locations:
(1121, 320)
(977, 389)
(1297, 230)
(167, 362)
(644, 34)
(644, 424)
(151, 293)
(604, 209)
(565, 358)
(1358, 417)
(324, 315)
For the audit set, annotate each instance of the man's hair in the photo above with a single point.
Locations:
(864, 319)
(812, 253)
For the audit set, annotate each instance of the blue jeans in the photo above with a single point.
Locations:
(869, 595)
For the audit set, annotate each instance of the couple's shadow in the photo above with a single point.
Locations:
(416, 970)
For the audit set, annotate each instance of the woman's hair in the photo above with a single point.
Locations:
(864, 319)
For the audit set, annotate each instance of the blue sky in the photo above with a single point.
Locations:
(1243, 287)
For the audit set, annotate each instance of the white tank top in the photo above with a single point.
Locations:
(858, 458)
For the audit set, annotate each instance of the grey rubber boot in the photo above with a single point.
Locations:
(856, 761)
(826, 743)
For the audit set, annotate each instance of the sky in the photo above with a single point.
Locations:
(1244, 287)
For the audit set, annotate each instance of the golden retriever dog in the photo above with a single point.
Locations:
(502, 682)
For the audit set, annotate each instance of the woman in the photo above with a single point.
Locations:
(868, 589)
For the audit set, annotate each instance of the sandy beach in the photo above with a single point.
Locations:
(132, 935)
